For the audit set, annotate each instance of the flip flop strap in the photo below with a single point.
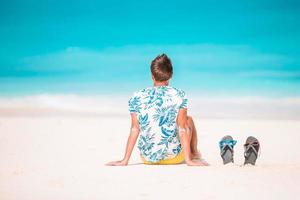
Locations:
(250, 146)
(226, 143)
(224, 149)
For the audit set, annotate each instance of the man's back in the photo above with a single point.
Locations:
(155, 114)
(156, 109)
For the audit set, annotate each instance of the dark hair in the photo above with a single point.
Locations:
(161, 68)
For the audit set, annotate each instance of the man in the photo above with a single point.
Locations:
(159, 117)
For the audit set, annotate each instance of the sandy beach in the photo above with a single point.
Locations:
(52, 152)
(68, 69)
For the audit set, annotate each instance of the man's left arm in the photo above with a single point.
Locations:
(134, 133)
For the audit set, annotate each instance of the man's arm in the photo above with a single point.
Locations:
(184, 134)
(185, 138)
(134, 133)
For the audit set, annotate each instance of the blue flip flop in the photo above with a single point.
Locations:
(226, 149)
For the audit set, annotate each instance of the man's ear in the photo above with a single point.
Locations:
(152, 77)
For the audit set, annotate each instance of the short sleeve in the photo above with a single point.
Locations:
(184, 102)
(133, 104)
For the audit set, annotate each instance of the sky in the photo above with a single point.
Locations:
(99, 47)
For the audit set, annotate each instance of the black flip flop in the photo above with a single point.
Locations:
(251, 150)
(226, 149)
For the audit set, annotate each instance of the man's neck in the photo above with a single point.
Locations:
(164, 83)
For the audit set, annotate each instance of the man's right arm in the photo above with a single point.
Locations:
(185, 138)
(184, 135)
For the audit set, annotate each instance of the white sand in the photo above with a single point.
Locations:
(46, 154)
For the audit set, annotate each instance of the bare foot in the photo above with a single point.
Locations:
(196, 155)
(196, 163)
(204, 162)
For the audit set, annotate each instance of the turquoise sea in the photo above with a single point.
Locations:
(199, 69)
(218, 48)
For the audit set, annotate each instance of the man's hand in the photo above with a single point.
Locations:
(117, 163)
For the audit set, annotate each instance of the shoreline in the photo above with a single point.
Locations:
(260, 108)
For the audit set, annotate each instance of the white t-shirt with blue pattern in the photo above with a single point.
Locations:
(157, 109)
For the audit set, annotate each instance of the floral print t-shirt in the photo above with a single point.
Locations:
(156, 109)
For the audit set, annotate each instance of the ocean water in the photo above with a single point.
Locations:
(221, 81)
(105, 47)
(203, 70)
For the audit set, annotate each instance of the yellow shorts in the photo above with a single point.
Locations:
(171, 161)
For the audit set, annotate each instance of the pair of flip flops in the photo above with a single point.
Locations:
(251, 149)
